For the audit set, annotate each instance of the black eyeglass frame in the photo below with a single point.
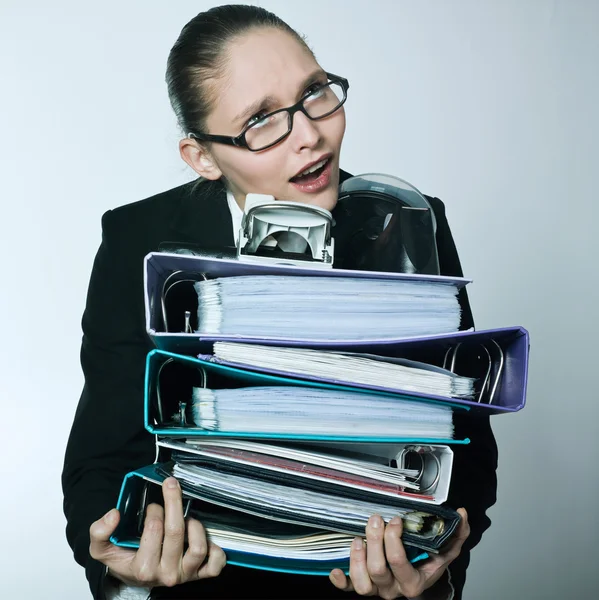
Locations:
(240, 142)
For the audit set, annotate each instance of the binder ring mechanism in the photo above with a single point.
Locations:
(487, 359)
(170, 283)
(420, 452)
(299, 233)
(180, 417)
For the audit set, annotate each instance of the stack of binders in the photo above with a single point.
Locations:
(294, 403)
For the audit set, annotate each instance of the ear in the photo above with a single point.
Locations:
(197, 156)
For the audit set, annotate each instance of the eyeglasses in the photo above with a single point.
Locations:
(321, 101)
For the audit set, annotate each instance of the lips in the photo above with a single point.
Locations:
(316, 181)
(312, 167)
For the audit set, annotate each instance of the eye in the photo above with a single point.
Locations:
(314, 90)
(255, 119)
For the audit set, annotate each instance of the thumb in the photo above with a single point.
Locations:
(100, 532)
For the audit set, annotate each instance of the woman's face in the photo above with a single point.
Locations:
(269, 67)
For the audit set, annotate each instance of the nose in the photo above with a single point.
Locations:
(305, 133)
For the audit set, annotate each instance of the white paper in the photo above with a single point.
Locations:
(262, 496)
(367, 369)
(325, 308)
(304, 410)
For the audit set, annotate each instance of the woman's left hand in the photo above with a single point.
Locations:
(381, 568)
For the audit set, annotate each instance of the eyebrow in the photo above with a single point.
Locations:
(268, 102)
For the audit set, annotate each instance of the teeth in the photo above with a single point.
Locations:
(313, 168)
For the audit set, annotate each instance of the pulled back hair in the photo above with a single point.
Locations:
(199, 57)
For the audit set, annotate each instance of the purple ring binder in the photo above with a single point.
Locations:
(511, 391)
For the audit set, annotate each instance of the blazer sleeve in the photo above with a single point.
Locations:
(474, 478)
(107, 438)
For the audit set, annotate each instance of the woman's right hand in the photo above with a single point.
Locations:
(160, 560)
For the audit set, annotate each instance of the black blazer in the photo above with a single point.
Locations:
(108, 439)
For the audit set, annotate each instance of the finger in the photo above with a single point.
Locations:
(376, 561)
(453, 549)
(145, 565)
(216, 562)
(174, 532)
(100, 532)
(409, 579)
(340, 581)
(358, 570)
(197, 549)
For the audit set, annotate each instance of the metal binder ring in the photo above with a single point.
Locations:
(141, 511)
(485, 385)
(158, 395)
(431, 452)
(166, 288)
(449, 350)
(499, 372)
(186, 508)
(409, 450)
(182, 405)
(451, 355)
(435, 482)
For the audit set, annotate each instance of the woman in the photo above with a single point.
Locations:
(228, 74)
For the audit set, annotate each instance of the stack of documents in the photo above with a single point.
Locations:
(348, 367)
(261, 493)
(425, 528)
(243, 532)
(195, 397)
(262, 538)
(284, 453)
(304, 410)
(426, 478)
(339, 308)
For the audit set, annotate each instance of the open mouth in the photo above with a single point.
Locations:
(313, 173)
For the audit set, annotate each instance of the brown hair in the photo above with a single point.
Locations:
(199, 56)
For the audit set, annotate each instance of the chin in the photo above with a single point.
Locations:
(328, 201)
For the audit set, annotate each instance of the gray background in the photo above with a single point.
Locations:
(490, 105)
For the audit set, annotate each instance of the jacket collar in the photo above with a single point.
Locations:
(203, 216)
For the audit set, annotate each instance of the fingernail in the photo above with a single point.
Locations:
(172, 483)
(357, 544)
(375, 522)
(395, 521)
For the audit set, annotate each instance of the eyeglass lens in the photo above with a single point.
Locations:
(322, 102)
